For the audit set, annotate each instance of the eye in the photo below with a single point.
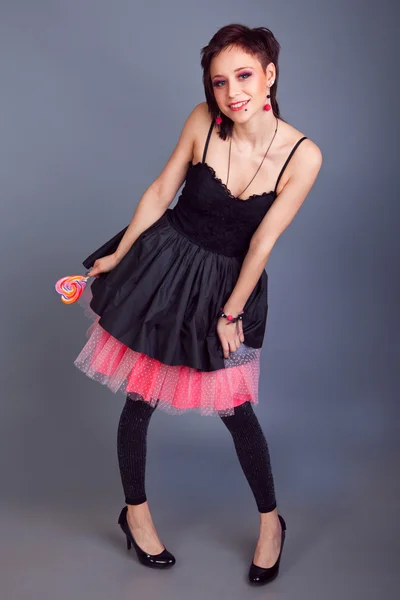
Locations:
(244, 74)
(216, 83)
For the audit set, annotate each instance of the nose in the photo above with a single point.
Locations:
(233, 93)
(233, 90)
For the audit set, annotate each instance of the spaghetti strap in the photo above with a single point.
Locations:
(207, 140)
(288, 159)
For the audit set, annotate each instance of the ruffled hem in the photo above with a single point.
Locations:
(174, 389)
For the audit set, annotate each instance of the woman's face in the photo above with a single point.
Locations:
(239, 83)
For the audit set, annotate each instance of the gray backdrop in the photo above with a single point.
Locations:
(93, 98)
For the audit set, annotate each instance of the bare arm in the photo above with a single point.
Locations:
(151, 207)
(277, 219)
(162, 191)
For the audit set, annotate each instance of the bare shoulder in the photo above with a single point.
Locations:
(307, 153)
(174, 172)
(199, 123)
(305, 162)
(200, 114)
(310, 154)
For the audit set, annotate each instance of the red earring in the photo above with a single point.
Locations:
(267, 106)
(218, 119)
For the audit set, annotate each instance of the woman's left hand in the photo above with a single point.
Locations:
(230, 335)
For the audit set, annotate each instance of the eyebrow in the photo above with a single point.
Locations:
(239, 69)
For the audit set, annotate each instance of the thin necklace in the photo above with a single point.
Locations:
(229, 159)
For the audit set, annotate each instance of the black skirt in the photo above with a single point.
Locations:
(159, 307)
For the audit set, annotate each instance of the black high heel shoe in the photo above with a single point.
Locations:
(259, 575)
(162, 560)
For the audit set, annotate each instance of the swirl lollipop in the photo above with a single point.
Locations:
(70, 288)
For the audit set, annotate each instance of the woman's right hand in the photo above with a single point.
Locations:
(103, 265)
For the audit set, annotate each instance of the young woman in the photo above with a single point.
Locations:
(179, 297)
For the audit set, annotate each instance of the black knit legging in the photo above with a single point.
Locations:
(248, 438)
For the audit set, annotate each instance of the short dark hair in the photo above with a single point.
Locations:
(259, 42)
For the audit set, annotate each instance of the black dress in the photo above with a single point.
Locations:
(155, 314)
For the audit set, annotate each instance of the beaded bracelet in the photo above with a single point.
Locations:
(230, 318)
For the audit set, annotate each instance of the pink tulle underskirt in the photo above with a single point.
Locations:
(175, 389)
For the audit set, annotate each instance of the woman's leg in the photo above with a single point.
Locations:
(253, 454)
(132, 449)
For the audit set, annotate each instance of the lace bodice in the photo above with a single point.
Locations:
(211, 216)
(208, 214)
(213, 173)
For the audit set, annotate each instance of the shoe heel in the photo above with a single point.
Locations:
(128, 543)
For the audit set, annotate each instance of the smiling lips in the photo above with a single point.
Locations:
(238, 105)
